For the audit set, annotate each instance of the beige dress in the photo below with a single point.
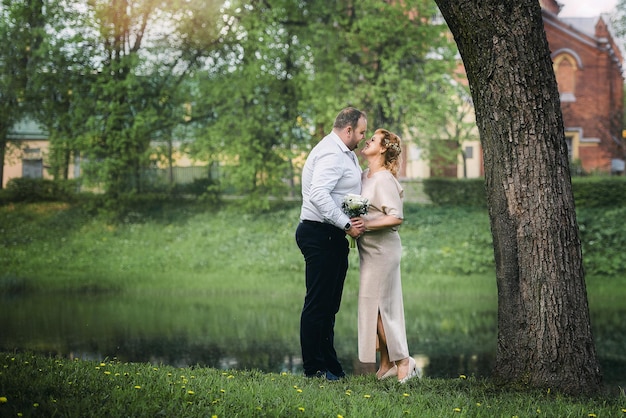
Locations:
(380, 287)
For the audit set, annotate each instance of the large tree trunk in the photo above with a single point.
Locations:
(544, 331)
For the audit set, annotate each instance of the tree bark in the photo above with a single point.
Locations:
(544, 330)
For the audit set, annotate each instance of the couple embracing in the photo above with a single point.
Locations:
(331, 172)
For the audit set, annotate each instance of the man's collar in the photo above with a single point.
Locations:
(339, 142)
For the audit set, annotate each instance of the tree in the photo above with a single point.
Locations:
(22, 29)
(143, 52)
(544, 331)
(287, 67)
(251, 99)
(450, 127)
(387, 58)
(58, 96)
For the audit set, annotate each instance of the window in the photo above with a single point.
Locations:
(565, 69)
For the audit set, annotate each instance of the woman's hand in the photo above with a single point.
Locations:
(359, 225)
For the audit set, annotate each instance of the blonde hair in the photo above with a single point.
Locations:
(391, 143)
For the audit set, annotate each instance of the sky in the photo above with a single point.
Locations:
(586, 8)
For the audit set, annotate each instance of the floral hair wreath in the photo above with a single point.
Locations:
(394, 146)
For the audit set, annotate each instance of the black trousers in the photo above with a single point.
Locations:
(325, 250)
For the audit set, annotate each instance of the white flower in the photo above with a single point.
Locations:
(355, 205)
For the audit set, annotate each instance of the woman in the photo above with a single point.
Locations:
(381, 325)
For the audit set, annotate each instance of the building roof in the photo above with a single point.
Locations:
(27, 129)
(595, 31)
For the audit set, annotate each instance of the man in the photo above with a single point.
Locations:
(331, 171)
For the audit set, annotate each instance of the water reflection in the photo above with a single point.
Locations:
(227, 335)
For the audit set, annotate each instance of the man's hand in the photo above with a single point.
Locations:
(357, 228)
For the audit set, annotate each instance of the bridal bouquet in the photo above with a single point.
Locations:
(354, 205)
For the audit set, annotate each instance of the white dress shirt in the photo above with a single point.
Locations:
(331, 171)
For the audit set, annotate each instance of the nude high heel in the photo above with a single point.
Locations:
(390, 373)
(413, 372)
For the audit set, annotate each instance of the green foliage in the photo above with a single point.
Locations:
(599, 191)
(589, 192)
(22, 29)
(603, 236)
(23, 189)
(453, 192)
(446, 240)
(436, 240)
(286, 68)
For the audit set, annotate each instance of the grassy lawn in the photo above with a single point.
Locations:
(192, 253)
(38, 386)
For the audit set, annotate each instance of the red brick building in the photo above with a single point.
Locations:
(588, 67)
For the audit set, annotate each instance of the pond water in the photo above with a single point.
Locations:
(224, 332)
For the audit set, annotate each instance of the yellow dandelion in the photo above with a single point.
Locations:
(462, 376)
(102, 364)
(457, 409)
(169, 375)
(36, 405)
(539, 410)
(592, 415)
(299, 390)
(107, 372)
(213, 416)
(19, 414)
(155, 368)
(339, 416)
(301, 409)
(283, 374)
(230, 376)
(406, 395)
(624, 410)
(191, 392)
(478, 404)
(3, 399)
(222, 390)
(137, 387)
(367, 396)
(117, 374)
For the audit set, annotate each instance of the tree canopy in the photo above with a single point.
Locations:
(252, 85)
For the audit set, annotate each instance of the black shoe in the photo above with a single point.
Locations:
(332, 376)
(318, 373)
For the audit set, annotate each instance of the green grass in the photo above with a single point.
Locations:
(74, 388)
(206, 258)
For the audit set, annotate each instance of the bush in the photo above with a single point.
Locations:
(456, 192)
(598, 192)
(40, 190)
(603, 236)
(589, 192)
